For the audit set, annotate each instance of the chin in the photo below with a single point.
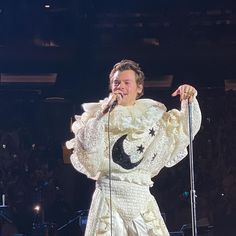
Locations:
(124, 104)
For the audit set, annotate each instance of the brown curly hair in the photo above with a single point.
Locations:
(129, 65)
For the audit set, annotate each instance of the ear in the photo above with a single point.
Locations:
(140, 88)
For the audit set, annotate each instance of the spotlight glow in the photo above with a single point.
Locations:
(37, 208)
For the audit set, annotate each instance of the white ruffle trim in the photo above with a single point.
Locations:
(142, 115)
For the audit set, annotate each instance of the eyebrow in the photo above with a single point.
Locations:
(126, 79)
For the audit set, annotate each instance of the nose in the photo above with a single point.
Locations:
(120, 86)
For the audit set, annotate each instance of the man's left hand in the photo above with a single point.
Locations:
(186, 92)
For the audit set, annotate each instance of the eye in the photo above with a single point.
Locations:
(116, 83)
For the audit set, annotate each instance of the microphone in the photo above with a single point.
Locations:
(114, 100)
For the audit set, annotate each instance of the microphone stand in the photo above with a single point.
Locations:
(192, 191)
(72, 220)
(69, 222)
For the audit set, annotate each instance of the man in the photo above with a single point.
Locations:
(122, 147)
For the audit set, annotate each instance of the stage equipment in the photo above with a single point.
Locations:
(44, 229)
(203, 230)
(5, 213)
(81, 217)
(177, 233)
(191, 166)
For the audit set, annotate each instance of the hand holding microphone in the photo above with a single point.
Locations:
(113, 101)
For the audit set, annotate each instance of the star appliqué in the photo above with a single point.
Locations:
(140, 148)
(152, 132)
(154, 156)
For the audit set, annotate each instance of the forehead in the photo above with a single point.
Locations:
(124, 75)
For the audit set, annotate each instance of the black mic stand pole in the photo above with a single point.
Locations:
(192, 191)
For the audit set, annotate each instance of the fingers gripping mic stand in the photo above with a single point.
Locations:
(191, 166)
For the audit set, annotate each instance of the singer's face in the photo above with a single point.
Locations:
(125, 83)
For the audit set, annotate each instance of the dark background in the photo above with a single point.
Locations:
(194, 41)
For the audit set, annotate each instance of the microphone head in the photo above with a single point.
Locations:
(113, 101)
(119, 96)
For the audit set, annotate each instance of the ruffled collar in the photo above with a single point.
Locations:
(137, 118)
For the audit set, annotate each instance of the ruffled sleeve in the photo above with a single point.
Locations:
(177, 129)
(88, 143)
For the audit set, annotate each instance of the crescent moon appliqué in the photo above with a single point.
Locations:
(120, 157)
